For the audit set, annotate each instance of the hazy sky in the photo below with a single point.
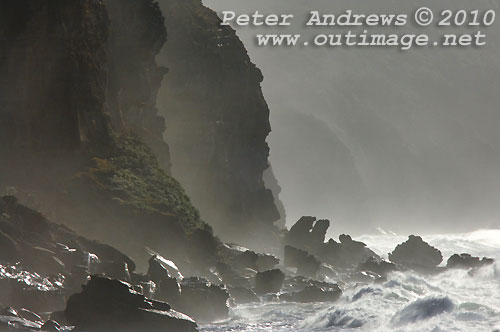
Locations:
(379, 138)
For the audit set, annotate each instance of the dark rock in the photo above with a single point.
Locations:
(51, 326)
(415, 253)
(232, 278)
(309, 235)
(269, 281)
(377, 265)
(161, 268)
(106, 304)
(307, 265)
(299, 233)
(169, 290)
(466, 261)
(242, 295)
(202, 300)
(346, 254)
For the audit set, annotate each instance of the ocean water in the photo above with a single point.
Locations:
(452, 301)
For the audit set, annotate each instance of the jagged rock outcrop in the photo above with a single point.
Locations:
(218, 122)
(417, 254)
(467, 261)
(308, 235)
(111, 305)
(269, 281)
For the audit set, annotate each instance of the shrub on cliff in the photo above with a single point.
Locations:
(131, 172)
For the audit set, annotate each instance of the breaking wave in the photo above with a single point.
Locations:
(455, 300)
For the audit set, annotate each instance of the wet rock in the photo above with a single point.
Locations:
(161, 268)
(241, 295)
(51, 326)
(9, 323)
(23, 289)
(309, 234)
(300, 289)
(269, 281)
(466, 261)
(347, 253)
(232, 278)
(307, 265)
(377, 265)
(202, 300)
(106, 304)
(417, 254)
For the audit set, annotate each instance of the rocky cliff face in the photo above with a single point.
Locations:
(77, 99)
(52, 72)
(217, 121)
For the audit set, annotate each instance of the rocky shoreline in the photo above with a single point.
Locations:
(54, 280)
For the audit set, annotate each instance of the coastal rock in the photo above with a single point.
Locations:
(161, 268)
(309, 234)
(241, 295)
(106, 304)
(305, 290)
(377, 265)
(466, 261)
(269, 281)
(202, 300)
(417, 254)
(307, 265)
(23, 289)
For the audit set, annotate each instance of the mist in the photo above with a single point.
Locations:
(380, 138)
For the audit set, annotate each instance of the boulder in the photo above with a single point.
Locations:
(203, 300)
(112, 305)
(269, 281)
(417, 254)
(377, 265)
(240, 295)
(466, 261)
(307, 265)
(161, 268)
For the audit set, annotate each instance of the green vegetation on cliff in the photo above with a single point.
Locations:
(131, 172)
